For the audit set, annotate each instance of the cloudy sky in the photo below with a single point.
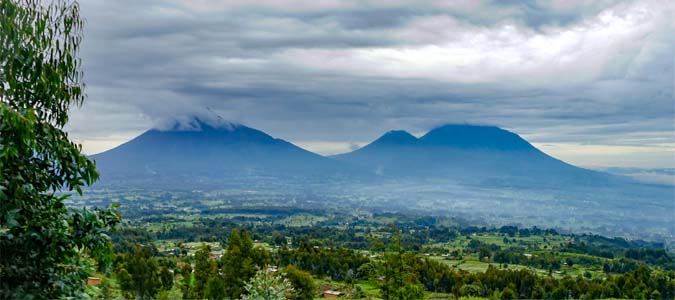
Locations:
(591, 82)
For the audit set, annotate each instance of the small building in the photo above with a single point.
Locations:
(332, 294)
(93, 281)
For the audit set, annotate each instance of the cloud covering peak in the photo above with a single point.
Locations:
(331, 73)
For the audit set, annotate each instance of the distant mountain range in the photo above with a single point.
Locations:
(474, 171)
(469, 153)
(224, 150)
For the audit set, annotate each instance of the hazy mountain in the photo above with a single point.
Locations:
(479, 154)
(474, 171)
(224, 151)
(220, 151)
(494, 174)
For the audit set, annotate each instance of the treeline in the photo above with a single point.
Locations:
(339, 264)
(398, 273)
(419, 232)
(650, 253)
(436, 276)
(525, 284)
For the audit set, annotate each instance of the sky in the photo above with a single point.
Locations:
(589, 82)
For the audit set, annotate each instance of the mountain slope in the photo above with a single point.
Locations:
(465, 170)
(213, 151)
(475, 137)
(231, 153)
(469, 153)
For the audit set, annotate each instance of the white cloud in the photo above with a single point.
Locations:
(329, 148)
(446, 49)
(594, 156)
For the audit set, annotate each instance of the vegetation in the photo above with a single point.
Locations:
(303, 283)
(267, 286)
(393, 256)
(45, 247)
(139, 275)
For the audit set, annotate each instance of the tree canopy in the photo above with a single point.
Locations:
(44, 245)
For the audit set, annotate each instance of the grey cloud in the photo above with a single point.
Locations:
(149, 62)
(536, 14)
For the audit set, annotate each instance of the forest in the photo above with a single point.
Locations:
(376, 256)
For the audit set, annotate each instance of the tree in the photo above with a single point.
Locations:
(303, 283)
(278, 238)
(205, 268)
(106, 289)
(399, 283)
(409, 292)
(186, 282)
(267, 286)
(470, 290)
(239, 262)
(45, 246)
(655, 295)
(140, 275)
(508, 293)
(126, 283)
(559, 293)
(483, 253)
(166, 278)
(215, 288)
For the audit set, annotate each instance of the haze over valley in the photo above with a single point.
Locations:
(476, 172)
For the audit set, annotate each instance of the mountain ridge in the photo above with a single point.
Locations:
(479, 171)
(225, 150)
(464, 152)
(475, 137)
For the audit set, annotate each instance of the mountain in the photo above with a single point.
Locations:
(395, 138)
(474, 137)
(226, 152)
(469, 153)
(215, 151)
(463, 170)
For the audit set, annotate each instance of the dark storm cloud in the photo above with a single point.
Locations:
(342, 73)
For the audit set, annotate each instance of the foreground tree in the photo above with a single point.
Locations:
(398, 278)
(215, 288)
(303, 283)
(186, 287)
(205, 268)
(139, 275)
(240, 262)
(44, 246)
(268, 286)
